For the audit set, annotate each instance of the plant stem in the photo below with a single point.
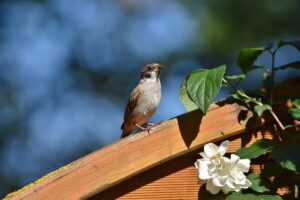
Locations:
(280, 125)
(277, 120)
(243, 94)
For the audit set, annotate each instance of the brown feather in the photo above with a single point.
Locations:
(129, 124)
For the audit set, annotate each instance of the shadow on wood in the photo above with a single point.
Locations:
(152, 175)
(189, 127)
(203, 194)
(135, 154)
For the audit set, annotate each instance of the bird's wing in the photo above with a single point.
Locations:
(133, 101)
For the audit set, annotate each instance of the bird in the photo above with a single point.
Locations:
(144, 99)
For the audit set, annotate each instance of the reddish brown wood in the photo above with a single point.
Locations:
(175, 179)
(111, 165)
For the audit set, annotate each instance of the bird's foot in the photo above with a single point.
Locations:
(147, 128)
(152, 126)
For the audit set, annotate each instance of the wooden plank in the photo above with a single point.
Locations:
(175, 179)
(115, 163)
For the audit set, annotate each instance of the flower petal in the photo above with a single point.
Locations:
(223, 147)
(203, 155)
(203, 170)
(230, 184)
(226, 189)
(246, 185)
(211, 188)
(225, 161)
(197, 163)
(237, 188)
(243, 165)
(219, 181)
(211, 150)
(234, 159)
(239, 177)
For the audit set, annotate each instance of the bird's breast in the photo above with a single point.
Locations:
(149, 99)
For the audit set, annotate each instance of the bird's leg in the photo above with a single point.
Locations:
(151, 125)
(142, 128)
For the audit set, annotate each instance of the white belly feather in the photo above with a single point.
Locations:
(150, 98)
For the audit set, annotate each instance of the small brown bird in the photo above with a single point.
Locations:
(143, 100)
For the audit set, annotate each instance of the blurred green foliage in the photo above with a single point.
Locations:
(233, 24)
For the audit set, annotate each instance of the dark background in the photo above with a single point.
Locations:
(67, 67)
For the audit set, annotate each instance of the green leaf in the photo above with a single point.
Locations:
(288, 156)
(239, 196)
(295, 65)
(259, 109)
(258, 148)
(236, 77)
(258, 185)
(185, 97)
(235, 96)
(296, 103)
(238, 98)
(295, 112)
(247, 57)
(295, 44)
(203, 86)
(251, 68)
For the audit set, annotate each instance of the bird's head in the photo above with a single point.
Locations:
(151, 71)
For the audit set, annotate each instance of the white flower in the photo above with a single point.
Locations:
(211, 159)
(220, 172)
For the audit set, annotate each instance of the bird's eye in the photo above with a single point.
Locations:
(150, 68)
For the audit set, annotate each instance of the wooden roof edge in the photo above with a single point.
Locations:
(134, 154)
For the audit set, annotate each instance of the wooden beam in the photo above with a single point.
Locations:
(113, 164)
(177, 178)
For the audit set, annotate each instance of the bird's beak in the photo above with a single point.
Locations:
(160, 67)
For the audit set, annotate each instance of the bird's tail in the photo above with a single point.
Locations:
(124, 132)
(123, 135)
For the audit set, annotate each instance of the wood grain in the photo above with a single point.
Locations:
(175, 179)
(132, 155)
